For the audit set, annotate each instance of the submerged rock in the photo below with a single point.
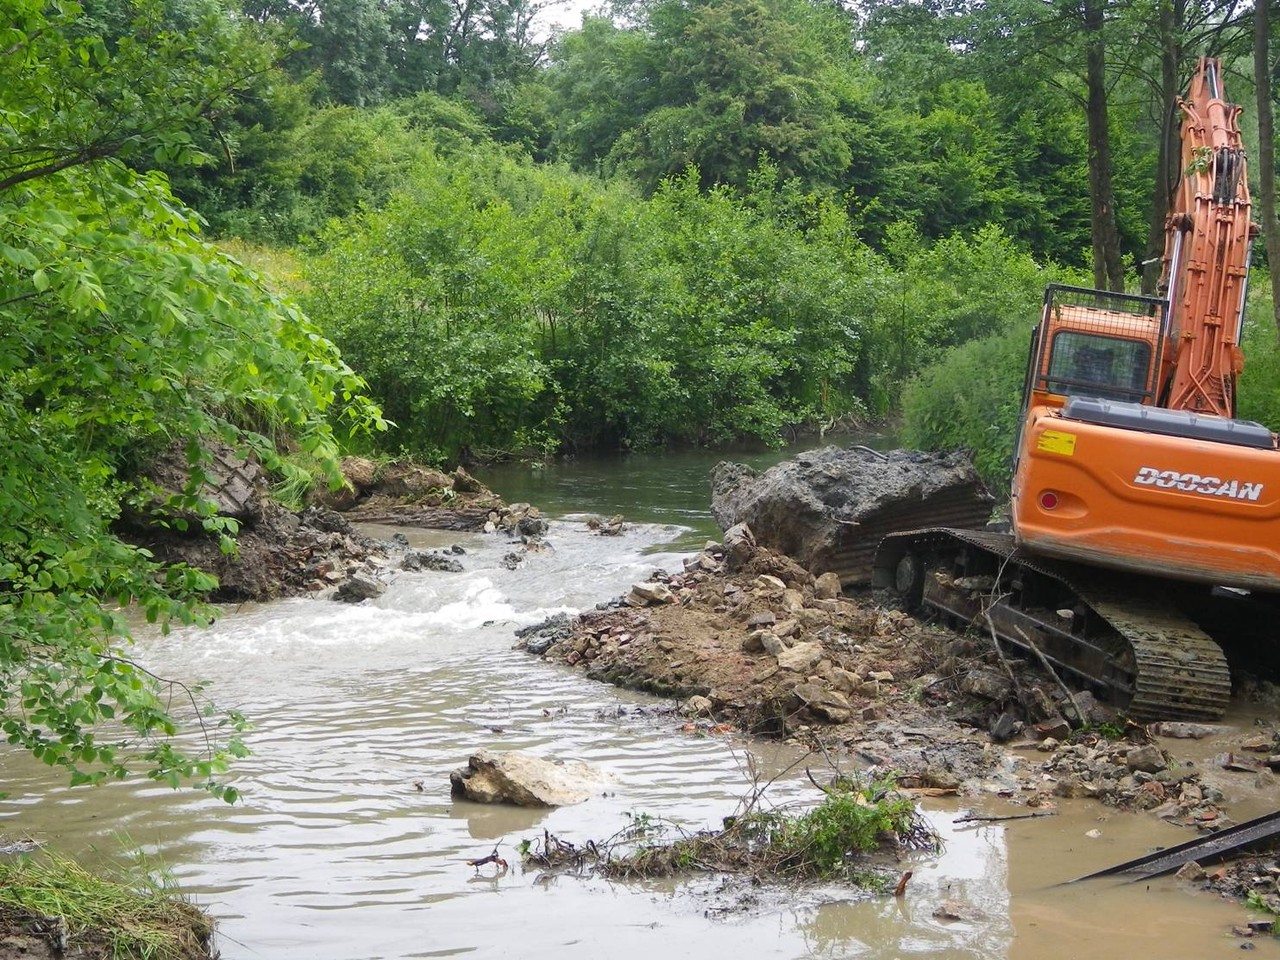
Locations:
(537, 637)
(422, 560)
(524, 780)
(360, 586)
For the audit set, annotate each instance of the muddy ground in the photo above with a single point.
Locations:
(745, 639)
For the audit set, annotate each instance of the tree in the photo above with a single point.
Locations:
(1180, 31)
(713, 84)
(1066, 45)
(368, 51)
(121, 332)
(1262, 70)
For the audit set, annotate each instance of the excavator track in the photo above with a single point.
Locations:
(1116, 634)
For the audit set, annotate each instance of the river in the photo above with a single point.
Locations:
(347, 844)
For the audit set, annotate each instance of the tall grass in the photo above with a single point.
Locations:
(131, 916)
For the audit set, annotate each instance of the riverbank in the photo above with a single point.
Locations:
(316, 551)
(51, 907)
(746, 639)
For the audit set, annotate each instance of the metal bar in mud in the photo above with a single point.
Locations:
(1213, 848)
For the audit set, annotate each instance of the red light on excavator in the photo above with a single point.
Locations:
(1048, 500)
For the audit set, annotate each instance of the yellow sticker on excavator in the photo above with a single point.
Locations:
(1055, 441)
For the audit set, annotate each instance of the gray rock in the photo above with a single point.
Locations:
(1056, 728)
(771, 643)
(828, 508)
(464, 482)
(739, 546)
(359, 472)
(1090, 710)
(1147, 759)
(422, 560)
(524, 780)
(697, 705)
(1191, 871)
(537, 638)
(532, 526)
(234, 485)
(1183, 730)
(650, 594)
(1004, 727)
(751, 642)
(322, 518)
(769, 587)
(823, 701)
(801, 658)
(400, 479)
(844, 681)
(360, 586)
(827, 586)
(986, 684)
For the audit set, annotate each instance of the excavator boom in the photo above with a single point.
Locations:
(1206, 262)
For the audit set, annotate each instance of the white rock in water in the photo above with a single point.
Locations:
(525, 780)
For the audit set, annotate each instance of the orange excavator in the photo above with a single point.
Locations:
(1140, 504)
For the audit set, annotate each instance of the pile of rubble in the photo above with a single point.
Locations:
(747, 636)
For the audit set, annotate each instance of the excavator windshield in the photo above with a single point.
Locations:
(1096, 344)
(1089, 364)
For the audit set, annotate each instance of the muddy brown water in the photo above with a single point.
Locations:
(336, 854)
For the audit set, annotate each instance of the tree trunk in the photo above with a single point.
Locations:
(1267, 151)
(1167, 172)
(1108, 271)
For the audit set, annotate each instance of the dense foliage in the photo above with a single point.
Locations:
(121, 333)
(495, 305)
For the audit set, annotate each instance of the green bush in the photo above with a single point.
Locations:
(970, 400)
(1259, 387)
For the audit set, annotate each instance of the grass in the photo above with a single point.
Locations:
(132, 916)
(832, 841)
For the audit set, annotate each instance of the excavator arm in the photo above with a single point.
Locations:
(1207, 253)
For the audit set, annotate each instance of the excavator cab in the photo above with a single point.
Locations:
(1130, 455)
(1096, 344)
(1107, 474)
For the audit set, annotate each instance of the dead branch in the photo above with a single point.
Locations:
(1044, 662)
(977, 818)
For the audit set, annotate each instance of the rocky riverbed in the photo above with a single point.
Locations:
(745, 638)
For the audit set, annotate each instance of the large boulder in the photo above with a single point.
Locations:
(829, 508)
(524, 780)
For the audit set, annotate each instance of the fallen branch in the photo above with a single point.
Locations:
(1004, 662)
(822, 843)
(1044, 662)
(978, 818)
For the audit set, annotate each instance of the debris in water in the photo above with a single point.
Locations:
(901, 888)
(501, 865)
